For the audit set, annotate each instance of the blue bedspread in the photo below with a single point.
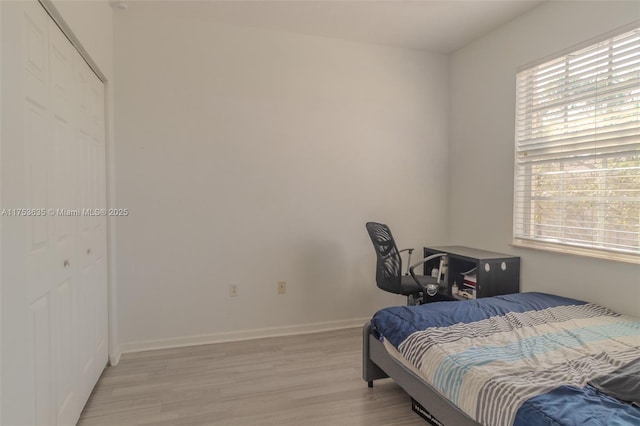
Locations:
(521, 359)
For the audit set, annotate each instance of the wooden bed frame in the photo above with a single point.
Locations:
(377, 363)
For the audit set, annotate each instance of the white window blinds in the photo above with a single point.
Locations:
(577, 166)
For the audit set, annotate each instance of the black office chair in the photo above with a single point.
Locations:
(389, 275)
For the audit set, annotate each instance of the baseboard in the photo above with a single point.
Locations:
(234, 336)
(114, 357)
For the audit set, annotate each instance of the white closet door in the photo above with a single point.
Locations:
(40, 249)
(64, 195)
(98, 252)
(92, 234)
(54, 289)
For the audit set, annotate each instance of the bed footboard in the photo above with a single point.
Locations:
(370, 370)
(375, 358)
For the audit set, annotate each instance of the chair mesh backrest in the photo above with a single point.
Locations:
(389, 264)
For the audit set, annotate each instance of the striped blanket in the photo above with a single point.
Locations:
(490, 367)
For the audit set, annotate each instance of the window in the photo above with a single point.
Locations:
(577, 165)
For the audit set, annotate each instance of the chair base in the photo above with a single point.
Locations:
(421, 299)
(414, 299)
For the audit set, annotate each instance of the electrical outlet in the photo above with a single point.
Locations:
(233, 290)
(282, 287)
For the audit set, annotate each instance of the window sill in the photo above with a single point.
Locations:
(578, 251)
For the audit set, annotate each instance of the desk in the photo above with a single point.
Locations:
(497, 273)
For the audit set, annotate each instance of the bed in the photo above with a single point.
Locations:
(524, 359)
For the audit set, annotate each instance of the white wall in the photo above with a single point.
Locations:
(91, 21)
(248, 156)
(482, 138)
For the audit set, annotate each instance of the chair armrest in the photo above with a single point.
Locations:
(410, 250)
(426, 259)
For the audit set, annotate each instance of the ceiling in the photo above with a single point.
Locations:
(433, 25)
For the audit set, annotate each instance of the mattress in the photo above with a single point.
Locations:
(523, 359)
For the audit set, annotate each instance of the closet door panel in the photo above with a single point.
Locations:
(102, 335)
(99, 240)
(86, 289)
(37, 150)
(66, 377)
(92, 231)
(82, 133)
(40, 326)
(87, 327)
(35, 47)
(98, 109)
(39, 332)
(64, 198)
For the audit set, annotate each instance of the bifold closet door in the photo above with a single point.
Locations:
(63, 191)
(54, 287)
(92, 232)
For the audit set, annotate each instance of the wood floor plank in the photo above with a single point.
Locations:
(312, 379)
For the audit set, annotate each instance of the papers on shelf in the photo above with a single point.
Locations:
(470, 278)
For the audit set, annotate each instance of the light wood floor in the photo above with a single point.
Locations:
(312, 379)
